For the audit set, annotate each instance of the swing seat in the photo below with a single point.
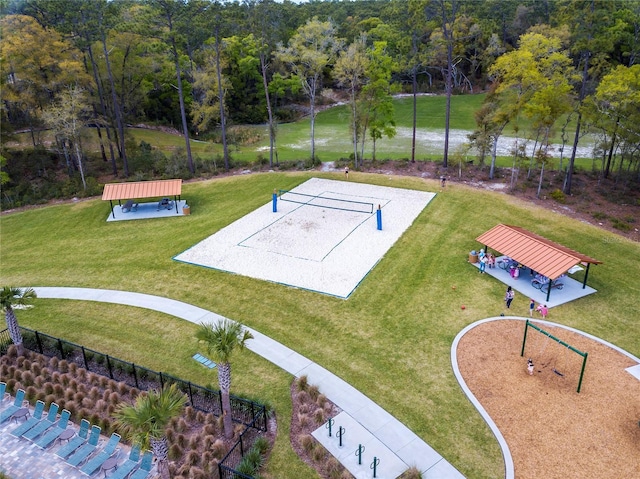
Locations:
(558, 372)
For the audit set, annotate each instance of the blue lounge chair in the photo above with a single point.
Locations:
(44, 424)
(77, 441)
(96, 461)
(4, 395)
(145, 467)
(47, 439)
(32, 421)
(17, 404)
(84, 451)
(127, 466)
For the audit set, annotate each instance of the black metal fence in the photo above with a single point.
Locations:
(235, 455)
(243, 411)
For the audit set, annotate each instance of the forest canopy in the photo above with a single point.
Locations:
(205, 67)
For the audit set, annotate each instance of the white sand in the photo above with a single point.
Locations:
(317, 248)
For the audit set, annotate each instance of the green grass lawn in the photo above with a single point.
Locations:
(391, 339)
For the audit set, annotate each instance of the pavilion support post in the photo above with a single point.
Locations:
(586, 275)
(175, 201)
(112, 212)
(549, 290)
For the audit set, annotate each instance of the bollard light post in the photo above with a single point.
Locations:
(379, 217)
(374, 465)
(340, 433)
(329, 424)
(359, 452)
(275, 201)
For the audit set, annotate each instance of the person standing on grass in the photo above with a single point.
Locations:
(443, 181)
(346, 172)
(508, 297)
(532, 306)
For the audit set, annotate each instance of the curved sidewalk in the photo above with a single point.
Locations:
(392, 445)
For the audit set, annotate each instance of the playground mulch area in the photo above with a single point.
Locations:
(553, 431)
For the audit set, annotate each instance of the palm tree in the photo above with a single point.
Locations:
(144, 422)
(9, 298)
(222, 339)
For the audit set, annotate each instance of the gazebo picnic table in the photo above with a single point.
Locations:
(545, 257)
(131, 192)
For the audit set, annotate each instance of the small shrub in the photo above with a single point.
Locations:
(307, 442)
(194, 442)
(303, 397)
(36, 369)
(218, 449)
(58, 390)
(94, 393)
(170, 434)
(558, 196)
(28, 378)
(302, 383)
(63, 366)
(598, 215)
(411, 473)
(123, 389)
(314, 392)
(40, 396)
(88, 403)
(182, 425)
(73, 368)
(175, 452)
(31, 393)
(200, 417)
(334, 468)
(181, 440)
(321, 400)
(210, 429)
(190, 413)
(262, 445)
(101, 405)
(620, 225)
(208, 441)
(254, 458)
(48, 388)
(318, 416)
(192, 458)
(69, 395)
(318, 454)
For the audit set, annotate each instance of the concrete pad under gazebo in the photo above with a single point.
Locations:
(541, 256)
(132, 192)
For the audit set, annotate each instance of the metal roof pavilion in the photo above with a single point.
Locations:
(540, 254)
(142, 189)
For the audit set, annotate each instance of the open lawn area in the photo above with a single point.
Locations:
(391, 339)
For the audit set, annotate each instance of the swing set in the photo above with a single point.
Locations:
(559, 341)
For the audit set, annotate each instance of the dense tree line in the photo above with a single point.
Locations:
(202, 66)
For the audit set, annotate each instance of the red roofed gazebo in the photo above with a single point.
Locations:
(136, 190)
(540, 254)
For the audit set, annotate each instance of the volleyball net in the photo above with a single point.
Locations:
(326, 202)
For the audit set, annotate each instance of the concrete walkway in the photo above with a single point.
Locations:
(393, 446)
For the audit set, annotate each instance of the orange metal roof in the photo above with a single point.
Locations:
(540, 254)
(142, 189)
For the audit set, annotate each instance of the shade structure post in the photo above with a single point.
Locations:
(379, 217)
(274, 200)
